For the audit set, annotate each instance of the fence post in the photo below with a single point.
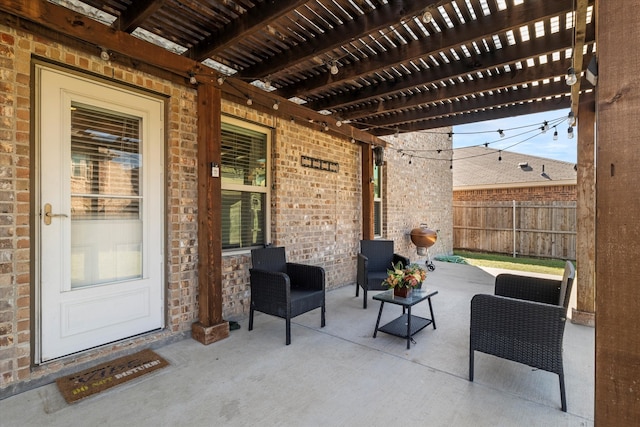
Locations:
(514, 228)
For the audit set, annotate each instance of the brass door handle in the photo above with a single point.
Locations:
(48, 215)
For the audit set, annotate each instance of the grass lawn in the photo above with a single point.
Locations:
(534, 265)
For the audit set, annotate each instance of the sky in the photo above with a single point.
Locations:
(522, 134)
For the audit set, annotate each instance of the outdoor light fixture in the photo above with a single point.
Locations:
(571, 118)
(501, 133)
(338, 123)
(570, 132)
(104, 54)
(276, 105)
(249, 101)
(325, 126)
(353, 140)
(545, 127)
(192, 78)
(571, 77)
(220, 80)
(555, 135)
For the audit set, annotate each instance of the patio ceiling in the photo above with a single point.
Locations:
(394, 70)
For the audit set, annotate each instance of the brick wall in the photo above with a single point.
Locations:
(418, 192)
(520, 194)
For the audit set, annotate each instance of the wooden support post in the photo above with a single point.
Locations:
(367, 192)
(618, 215)
(584, 313)
(210, 326)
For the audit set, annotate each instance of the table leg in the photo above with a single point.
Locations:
(433, 319)
(408, 327)
(375, 331)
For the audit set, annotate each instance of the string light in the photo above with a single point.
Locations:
(427, 17)
(571, 77)
(500, 155)
(249, 101)
(192, 78)
(501, 133)
(570, 132)
(450, 137)
(333, 67)
(220, 80)
(545, 127)
(555, 134)
(276, 105)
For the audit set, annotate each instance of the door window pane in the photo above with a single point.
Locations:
(106, 202)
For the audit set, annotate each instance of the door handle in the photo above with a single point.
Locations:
(48, 215)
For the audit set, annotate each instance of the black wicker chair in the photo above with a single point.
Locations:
(284, 289)
(524, 322)
(374, 259)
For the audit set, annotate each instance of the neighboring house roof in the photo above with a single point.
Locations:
(479, 167)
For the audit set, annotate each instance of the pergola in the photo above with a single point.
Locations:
(369, 68)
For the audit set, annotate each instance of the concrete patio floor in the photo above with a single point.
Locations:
(337, 375)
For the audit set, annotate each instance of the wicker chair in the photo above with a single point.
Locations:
(284, 289)
(524, 322)
(374, 259)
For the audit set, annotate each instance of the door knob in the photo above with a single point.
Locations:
(48, 215)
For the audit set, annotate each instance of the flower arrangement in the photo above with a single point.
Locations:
(410, 276)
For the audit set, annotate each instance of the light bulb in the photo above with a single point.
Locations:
(338, 123)
(104, 55)
(570, 132)
(501, 133)
(276, 105)
(545, 127)
(427, 17)
(334, 68)
(220, 80)
(450, 137)
(192, 79)
(571, 78)
(555, 135)
(249, 101)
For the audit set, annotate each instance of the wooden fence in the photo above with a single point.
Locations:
(536, 229)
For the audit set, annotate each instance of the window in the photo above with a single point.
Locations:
(245, 184)
(377, 201)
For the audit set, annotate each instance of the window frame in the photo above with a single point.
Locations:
(266, 189)
(378, 200)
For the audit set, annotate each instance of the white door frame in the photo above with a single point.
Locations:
(144, 297)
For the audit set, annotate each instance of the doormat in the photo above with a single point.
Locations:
(110, 374)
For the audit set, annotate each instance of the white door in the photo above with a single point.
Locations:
(100, 224)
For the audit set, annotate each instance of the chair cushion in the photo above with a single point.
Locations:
(304, 300)
(375, 280)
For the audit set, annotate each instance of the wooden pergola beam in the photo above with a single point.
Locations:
(130, 49)
(580, 37)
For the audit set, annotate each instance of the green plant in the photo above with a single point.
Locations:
(410, 276)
